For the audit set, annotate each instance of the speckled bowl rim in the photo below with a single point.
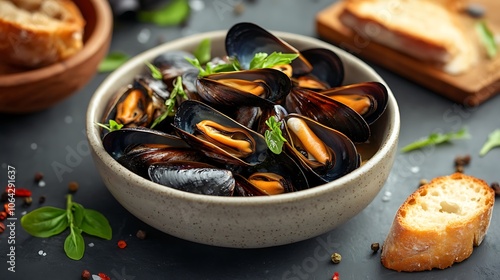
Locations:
(96, 143)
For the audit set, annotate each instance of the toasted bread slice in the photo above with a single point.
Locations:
(35, 33)
(439, 224)
(427, 30)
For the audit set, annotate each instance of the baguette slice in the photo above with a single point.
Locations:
(439, 224)
(35, 33)
(428, 30)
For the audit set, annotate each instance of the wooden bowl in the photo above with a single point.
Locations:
(25, 91)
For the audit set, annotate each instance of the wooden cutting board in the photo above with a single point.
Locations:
(470, 89)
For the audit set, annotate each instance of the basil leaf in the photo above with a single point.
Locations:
(78, 213)
(173, 13)
(487, 38)
(74, 246)
(45, 221)
(492, 142)
(203, 51)
(274, 137)
(262, 60)
(112, 61)
(436, 138)
(94, 223)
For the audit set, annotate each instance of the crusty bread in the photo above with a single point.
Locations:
(439, 224)
(35, 33)
(428, 30)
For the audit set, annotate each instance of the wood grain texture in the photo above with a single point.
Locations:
(470, 89)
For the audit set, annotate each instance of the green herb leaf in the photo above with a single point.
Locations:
(94, 223)
(170, 103)
(274, 137)
(112, 126)
(487, 38)
(155, 72)
(45, 221)
(112, 61)
(203, 51)
(492, 142)
(173, 13)
(74, 246)
(435, 139)
(262, 60)
(78, 213)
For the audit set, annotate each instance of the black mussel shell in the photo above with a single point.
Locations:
(190, 113)
(344, 156)
(173, 64)
(117, 143)
(244, 40)
(328, 112)
(193, 177)
(369, 99)
(221, 88)
(327, 66)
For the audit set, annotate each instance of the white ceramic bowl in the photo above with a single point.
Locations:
(245, 222)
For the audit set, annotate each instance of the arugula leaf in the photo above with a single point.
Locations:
(173, 13)
(203, 51)
(263, 60)
(435, 139)
(112, 61)
(492, 142)
(112, 126)
(155, 72)
(487, 38)
(45, 221)
(274, 137)
(171, 101)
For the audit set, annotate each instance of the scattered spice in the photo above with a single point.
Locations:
(462, 160)
(103, 276)
(41, 199)
(375, 247)
(3, 215)
(27, 201)
(73, 186)
(122, 244)
(20, 192)
(459, 168)
(141, 234)
(336, 258)
(336, 276)
(496, 188)
(38, 177)
(86, 275)
(2, 227)
(422, 182)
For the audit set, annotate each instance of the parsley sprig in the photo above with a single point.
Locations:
(263, 60)
(274, 137)
(111, 126)
(436, 138)
(492, 142)
(170, 103)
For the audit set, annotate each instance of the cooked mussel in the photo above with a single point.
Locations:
(244, 40)
(327, 70)
(325, 152)
(218, 136)
(194, 177)
(328, 112)
(369, 99)
(260, 87)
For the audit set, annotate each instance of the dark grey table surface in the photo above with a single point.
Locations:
(47, 140)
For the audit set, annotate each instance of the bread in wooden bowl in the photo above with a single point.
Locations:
(439, 224)
(433, 31)
(35, 33)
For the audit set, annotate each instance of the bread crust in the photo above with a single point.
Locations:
(34, 33)
(410, 247)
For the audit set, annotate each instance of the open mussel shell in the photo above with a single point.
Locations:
(244, 40)
(193, 177)
(259, 87)
(117, 143)
(325, 152)
(328, 112)
(226, 140)
(173, 64)
(369, 99)
(328, 68)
